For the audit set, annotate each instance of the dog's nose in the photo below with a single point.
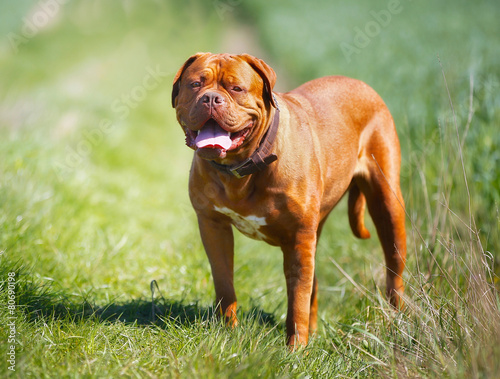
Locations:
(212, 99)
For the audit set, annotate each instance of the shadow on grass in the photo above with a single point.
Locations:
(41, 301)
(162, 311)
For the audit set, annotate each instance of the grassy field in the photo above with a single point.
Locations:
(99, 247)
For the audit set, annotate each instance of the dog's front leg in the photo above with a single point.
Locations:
(217, 237)
(298, 265)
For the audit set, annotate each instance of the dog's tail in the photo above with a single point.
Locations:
(357, 205)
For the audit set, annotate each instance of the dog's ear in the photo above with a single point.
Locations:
(266, 73)
(177, 79)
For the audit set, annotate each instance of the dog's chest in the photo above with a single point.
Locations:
(249, 225)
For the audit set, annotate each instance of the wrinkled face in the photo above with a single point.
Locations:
(219, 100)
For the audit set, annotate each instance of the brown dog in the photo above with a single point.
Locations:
(275, 165)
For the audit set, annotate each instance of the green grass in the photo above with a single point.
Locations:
(91, 213)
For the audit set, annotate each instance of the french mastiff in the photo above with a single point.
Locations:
(274, 165)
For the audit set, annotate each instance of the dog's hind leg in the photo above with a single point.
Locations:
(379, 184)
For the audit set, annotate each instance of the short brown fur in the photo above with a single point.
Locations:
(335, 135)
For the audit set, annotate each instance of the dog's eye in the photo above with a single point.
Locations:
(196, 85)
(237, 89)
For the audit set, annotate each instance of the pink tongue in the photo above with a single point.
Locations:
(213, 136)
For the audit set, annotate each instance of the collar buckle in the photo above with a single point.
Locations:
(234, 169)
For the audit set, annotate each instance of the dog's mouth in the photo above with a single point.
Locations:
(213, 136)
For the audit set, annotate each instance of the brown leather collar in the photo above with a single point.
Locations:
(260, 159)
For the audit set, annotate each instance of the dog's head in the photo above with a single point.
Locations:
(223, 103)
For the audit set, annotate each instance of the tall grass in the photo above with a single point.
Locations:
(450, 326)
(454, 306)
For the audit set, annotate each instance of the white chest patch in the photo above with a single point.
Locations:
(248, 225)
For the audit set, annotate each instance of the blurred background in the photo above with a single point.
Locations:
(93, 167)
